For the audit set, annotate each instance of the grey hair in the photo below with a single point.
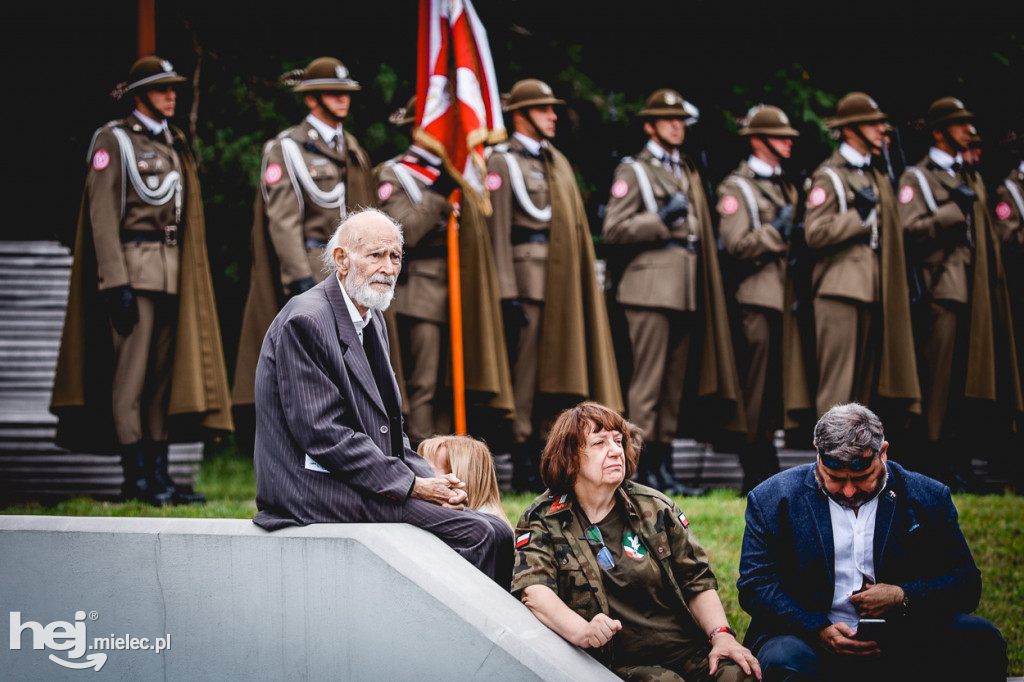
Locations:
(341, 236)
(845, 432)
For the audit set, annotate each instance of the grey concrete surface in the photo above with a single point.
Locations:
(230, 601)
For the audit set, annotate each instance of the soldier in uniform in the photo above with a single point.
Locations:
(413, 188)
(559, 340)
(963, 322)
(1007, 214)
(312, 175)
(756, 208)
(141, 342)
(671, 287)
(863, 342)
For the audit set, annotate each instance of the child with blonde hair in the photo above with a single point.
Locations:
(470, 460)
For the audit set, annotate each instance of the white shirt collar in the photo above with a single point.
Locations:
(854, 157)
(357, 321)
(155, 127)
(761, 168)
(326, 131)
(944, 160)
(660, 153)
(532, 145)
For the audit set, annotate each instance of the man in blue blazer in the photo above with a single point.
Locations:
(854, 536)
(330, 446)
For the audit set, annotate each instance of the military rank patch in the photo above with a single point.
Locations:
(619, 189)
(384, 191)
(1003, 210)
(683, 520)
(817, 197)
(906, 194)
(729, 205)
(492, 182)
(273, 174)
(632, 546)
(101, 159)
(560, 503)
(523, 540)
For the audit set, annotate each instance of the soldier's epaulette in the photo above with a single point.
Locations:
(628, 159)
(501, 147)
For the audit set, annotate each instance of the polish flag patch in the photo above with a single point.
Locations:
(619, 189)
(729, 205)
(101, 159)
(273, 174)
(522, 540)
(1003, 210)
(384, 191)
(906, 194)
(683, 520)
(817, 197)
(492, 182)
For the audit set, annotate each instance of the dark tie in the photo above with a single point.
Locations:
(380, 365)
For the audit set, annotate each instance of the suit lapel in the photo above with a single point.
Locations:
(884, 516)
(351, 349)
(817, 505)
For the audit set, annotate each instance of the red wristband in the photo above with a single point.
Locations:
(724, 628)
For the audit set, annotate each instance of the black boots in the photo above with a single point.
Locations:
(659, 472)
(526, 468)
(146, 478)
(138, 477)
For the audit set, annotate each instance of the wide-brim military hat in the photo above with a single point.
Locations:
(947, 110)
(770, 121)
(855, 107)
(150, 72)
(326, 74)
(667, 103)
(530, 92)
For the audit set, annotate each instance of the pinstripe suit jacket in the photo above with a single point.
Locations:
(317, 404)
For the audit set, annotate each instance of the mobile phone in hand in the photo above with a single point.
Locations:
(871, 630)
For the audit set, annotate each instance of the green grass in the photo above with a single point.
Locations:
(992, 525)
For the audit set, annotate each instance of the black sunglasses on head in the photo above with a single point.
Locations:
(859, 464)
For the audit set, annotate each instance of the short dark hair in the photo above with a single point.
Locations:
(560, 463)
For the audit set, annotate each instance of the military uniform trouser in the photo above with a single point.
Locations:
(660, 343)
(843, 333)
(423, 348)
(524, 372)
(943, 332)
(688, 665)
(761, 355)
(142, 370)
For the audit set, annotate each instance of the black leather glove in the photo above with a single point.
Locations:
(444, 185)
(864, 200)
(301, 286)
(122, 308)
(783, 222)
(964, 197)
(515, 318)
(675, 208)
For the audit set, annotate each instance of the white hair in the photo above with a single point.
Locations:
(341, 236)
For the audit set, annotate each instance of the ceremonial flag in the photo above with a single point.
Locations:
(458, 108)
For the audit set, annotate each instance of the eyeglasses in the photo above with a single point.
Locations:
(859, 464)
(594, 539)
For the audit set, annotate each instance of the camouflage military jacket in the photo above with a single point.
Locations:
(551, 549)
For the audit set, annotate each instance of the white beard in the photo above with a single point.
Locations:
(365, 295)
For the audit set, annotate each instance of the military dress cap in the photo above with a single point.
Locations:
(530, 92)
(770, 121)
(853, 108)
(947, 110)
(150, 72)
(667, 103)
(326, 74)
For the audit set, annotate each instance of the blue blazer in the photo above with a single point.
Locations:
(323, 448)
(787, 566)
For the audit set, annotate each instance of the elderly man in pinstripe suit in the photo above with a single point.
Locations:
(329, 440)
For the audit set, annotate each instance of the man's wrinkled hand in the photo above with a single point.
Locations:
(874, 601)
(597, 632)
(838, 638)
(447, 491)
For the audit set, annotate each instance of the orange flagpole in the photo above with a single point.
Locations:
(455, 317)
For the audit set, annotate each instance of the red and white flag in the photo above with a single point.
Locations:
(458, 108)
